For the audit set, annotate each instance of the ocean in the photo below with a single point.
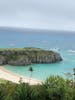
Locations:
(60, 41)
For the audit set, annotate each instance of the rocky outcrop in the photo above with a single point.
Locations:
(27, 56)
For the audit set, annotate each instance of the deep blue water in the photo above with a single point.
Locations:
(32, 38)
(13, 38)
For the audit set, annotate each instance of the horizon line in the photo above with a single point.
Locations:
(33, 29)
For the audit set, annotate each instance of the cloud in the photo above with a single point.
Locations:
(43, 14)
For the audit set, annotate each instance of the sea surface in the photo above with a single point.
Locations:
(60, 41)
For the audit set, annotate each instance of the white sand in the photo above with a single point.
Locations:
(7, 75)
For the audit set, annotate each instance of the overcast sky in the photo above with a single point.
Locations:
(43, 14)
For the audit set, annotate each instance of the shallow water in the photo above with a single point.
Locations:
(42, 39)
(42, 71)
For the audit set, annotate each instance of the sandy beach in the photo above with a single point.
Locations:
(8, 75)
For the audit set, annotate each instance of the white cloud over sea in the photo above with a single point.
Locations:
(38, 14)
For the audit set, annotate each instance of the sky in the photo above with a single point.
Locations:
(38, 14)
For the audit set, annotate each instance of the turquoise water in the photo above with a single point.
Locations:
(10, 38)
(42, 71)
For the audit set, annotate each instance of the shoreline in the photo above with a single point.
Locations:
(15, 78)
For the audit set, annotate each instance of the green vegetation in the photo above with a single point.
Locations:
(54, 88)
(27, 56)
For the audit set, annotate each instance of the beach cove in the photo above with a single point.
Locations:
(49, 40)
(15, 78)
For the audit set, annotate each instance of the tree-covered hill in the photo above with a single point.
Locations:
(27, 56)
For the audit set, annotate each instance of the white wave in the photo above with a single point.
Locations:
(71, 51)
(55, 49)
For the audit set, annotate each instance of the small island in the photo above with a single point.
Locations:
(28, 56)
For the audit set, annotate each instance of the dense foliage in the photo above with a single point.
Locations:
(54, 88)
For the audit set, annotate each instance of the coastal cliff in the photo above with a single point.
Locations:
(27, 56)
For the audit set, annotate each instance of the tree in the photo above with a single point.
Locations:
(31, 70)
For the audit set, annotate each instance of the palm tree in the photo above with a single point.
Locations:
(31, 70)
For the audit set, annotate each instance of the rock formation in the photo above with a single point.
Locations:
(27, 56)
